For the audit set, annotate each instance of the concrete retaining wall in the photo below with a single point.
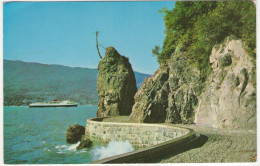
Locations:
(158, 140)
(139, 135)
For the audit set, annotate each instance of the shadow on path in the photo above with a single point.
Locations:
(199, 141)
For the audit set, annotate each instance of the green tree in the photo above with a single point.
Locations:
(195, 27)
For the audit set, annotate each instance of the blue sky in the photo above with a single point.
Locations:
(64, 32)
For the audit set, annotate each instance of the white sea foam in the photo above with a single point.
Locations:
(74, 146)
(60, 146)
(46, 149)
(60, 149)
(113, 148)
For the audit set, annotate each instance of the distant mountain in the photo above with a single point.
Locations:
(34, 82)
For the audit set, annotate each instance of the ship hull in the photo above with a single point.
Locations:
(54, 105)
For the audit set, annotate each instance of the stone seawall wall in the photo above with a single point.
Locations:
(139, 135)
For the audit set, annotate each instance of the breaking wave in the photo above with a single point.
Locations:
(111, 149)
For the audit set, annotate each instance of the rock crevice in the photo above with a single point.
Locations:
(169, 95)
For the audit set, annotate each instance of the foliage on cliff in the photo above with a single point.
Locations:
(195, 27)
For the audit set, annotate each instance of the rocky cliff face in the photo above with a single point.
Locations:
(170, 95)
(151, 99)
(175, 93)
(116, 85)
(229, 97)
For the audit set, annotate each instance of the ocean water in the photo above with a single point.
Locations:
(37, 135)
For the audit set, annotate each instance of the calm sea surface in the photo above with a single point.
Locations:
(37, 135)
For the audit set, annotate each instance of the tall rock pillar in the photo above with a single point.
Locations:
(116, 85)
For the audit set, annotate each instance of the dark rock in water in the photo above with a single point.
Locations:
(86, 143)
(116, 85)
(74, 133)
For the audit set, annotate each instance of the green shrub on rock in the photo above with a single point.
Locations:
(195, 27)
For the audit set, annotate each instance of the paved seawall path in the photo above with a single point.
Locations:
(221, 146)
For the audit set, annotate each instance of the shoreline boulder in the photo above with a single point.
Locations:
(74, 133)
(85, 143)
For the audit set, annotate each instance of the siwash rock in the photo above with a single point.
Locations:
(116, 85)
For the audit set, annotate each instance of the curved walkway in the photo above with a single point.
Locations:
(222, 145)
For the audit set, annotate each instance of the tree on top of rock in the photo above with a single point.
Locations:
(97, 45)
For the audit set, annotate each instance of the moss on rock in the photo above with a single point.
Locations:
(225, 60)
(116, 85)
